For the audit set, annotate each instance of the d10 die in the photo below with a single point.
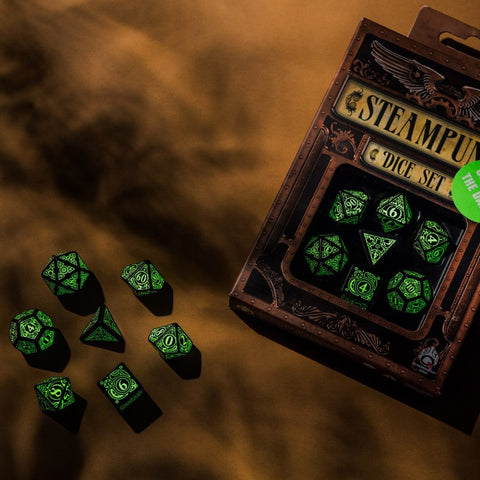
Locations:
(178, 351)
(32, 331)
(349, 206)
(170, 341)
(409, 292)
(143, 278)
(149, 286)
(325, 255)
(394, 212)
(431, 241)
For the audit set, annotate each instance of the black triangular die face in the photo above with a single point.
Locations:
(377, 246)
(103, 332)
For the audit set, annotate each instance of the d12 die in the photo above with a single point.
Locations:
(32, 331)
(409, 291)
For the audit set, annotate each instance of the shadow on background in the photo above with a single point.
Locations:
(56, 455)
(459, 405)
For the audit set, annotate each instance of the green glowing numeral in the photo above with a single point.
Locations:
(408, 291)
(394, 212)
(170, 341)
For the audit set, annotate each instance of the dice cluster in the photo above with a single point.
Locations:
(33, 333)
(388, 231)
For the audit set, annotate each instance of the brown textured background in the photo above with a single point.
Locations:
(162, 130)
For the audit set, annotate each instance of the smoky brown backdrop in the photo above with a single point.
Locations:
(162, 130)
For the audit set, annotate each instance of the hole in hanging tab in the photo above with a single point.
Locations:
(469, 46)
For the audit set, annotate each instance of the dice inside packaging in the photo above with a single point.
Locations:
(364, 251)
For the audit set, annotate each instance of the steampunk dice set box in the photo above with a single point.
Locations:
(365, 251)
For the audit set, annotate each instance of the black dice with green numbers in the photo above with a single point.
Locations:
(378, 247)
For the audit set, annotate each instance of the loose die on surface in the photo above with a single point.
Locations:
(73, 283)
(57, 399)
(43, 346)
(32, 331)
(54, 394)
(177, 349)
(149, 286)
(127, 395)
(103, 332)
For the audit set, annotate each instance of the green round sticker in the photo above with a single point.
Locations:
(466, 191)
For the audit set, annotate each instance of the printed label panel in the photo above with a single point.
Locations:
(407, 124)
(387, 160)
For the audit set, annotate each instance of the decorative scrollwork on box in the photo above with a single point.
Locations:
(365, 70)
(342, 325)
(274, 281)
(342, 140)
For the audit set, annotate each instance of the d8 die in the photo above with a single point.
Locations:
(54, 394)
(431, 241)
(170, 341)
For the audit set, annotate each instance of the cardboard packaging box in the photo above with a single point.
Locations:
(364, 250)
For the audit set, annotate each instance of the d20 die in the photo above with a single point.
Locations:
(103, 332)
(349, 206)
(325, 255)
(360, 287)
(128, 396)
(409, 291)
(32, 332)
(394, 212)
(431, 241)
(176, 348)
(54, 394)
(65, 273)
(149, 286)
(75, 285)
